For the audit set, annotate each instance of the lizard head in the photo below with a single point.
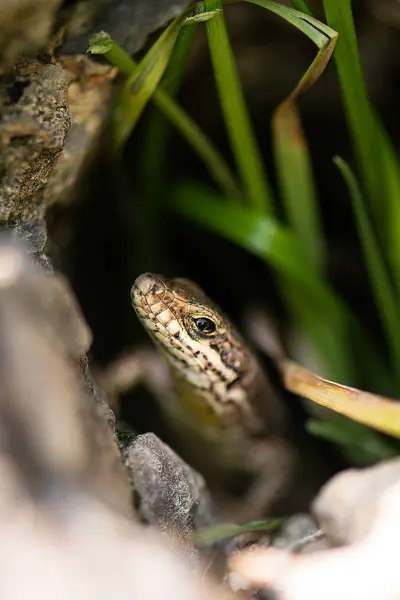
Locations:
(197, 339)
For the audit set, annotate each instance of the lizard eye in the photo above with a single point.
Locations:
(205, 325)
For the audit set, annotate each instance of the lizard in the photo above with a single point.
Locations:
(221, 402)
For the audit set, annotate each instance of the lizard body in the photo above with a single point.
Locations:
(221, 396)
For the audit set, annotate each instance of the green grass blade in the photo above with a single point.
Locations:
(391, 176)
(243, 143)
(102, 43)
(356, 103)
(378, 165)
(380, 280)
(142, 83)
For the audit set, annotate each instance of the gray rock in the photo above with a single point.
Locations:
(34, 122)
(172, 496)
(346, 505)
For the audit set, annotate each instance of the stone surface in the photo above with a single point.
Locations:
(88, 99)
(345, 507)
(53, 432)
(171, 495)
(33, 124)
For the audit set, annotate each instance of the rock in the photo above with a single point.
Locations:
(52, 432)
(89, 95)
(171, 495)
(345, 507)
(33, 124)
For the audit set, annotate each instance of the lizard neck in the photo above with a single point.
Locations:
(217, 407)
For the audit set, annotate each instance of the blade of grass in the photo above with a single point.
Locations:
(359, 115)
(324, 316)
(141, 84)
(391, 177)
(377, 160)
(237, 120)
(380, 280)
(372, 410)
(102, 43)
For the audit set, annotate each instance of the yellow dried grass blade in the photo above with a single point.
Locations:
(375, 411)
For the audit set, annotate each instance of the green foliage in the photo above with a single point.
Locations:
(244, 209)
